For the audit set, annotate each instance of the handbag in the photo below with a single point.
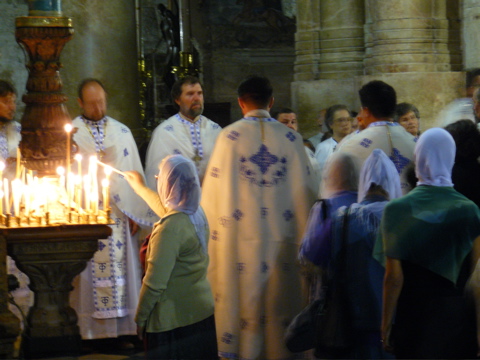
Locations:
(334, 324)
(300, 334)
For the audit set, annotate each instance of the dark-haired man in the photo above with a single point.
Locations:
(9, 129)
(187, 133)
(378, 101)
(105, 294)
(257, 192)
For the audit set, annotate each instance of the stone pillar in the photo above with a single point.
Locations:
(307, 40)
(408, 36)
(471, 29)
(341, 39)
(454, 18)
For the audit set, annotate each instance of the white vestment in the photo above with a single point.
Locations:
(391, 137)
(176, 135)
(324, 150)
(257, 193)
(105, 294)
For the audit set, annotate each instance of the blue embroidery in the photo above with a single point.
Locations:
(227, 338)
(237, 215)
(124, 130)
(263, 159)
(240, 267)
(118, 222)
(215, 172)
(264, 212)
(399, 160)
(125, 152)
(119, 246)
(288, 215)
(233, 135)
(101, 245)
(366, 143)
(215, 126)
(169, 128)
(243, 324)
(116, 197)
(214, 235)
(308, 170)
(177, 152)
(150, 213)
(264, 267)
(290, 136)
(243, 159)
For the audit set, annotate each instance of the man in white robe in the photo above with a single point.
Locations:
(187, 133)
(257, 193)
(105, 294)
(378, 101)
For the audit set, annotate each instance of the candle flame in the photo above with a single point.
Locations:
(60, 171)
(78, 157)
(68, 128)
(108, 170)
(2, 166)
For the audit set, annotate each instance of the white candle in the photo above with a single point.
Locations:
(17, 195)
(106, 194)
(87, 189)
(19, 157)
(61, 179)
(27, 197)
(7, 200)
(78, 192)
(2, 167)
(78, 158)
(68, 129)
(1, 201)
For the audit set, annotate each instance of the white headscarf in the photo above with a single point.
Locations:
(339, 174)
(179, 189)
(434, 157)
(379, 169)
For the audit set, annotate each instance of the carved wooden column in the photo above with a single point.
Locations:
(407, 36)
(43, 145)
(9, 323)
(51, 257)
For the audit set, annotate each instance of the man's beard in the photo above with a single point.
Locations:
(194, 112)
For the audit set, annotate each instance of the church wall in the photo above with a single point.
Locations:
(103, 46)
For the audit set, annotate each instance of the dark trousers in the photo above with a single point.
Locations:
(196, 341)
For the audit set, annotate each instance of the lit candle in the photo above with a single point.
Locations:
(1, 201)
(70, 189)
(78, 158)
(78, 192)
(7, 200)
(61, 174)
(2, 167)
(19, 157)
(16, 195)
(87, 189)
(105, 191)
(27, 197)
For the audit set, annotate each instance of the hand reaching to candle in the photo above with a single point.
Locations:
(137, 182)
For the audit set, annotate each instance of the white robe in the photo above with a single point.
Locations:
(115, 267)
(174, 137)
(257, 196)
(324, 150)
(376, 136)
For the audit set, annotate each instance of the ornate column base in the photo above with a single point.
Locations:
(51, 257)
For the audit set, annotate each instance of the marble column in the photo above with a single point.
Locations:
(471, 29)
(408, 36)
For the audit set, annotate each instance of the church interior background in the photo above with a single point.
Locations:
(316, 53)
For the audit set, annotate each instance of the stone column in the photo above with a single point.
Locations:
(307, 40)
(408, 36)
(341, 39)
(454, 18)
(471, 29)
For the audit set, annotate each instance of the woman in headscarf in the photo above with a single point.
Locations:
(175, 310)
(355, 227)
(430, 238)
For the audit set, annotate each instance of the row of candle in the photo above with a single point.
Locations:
(30, 196)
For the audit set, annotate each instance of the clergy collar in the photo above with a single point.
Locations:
(257, 113)
(92, 121)
(188, 119)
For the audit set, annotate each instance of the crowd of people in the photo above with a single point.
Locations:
(246, 224)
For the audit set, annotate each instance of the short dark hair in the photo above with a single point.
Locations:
(87, 81)
(256, 90)
(6, 88)
(470, 75)
(177, 86)
(276, 114)
(467, 139)
(330, 113)
(403, 109)
(379, 97)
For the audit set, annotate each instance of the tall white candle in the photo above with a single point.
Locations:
(106, 194)
(2, 167)
(7, 200)
(87, 189)
(17, 195)
(78, 159)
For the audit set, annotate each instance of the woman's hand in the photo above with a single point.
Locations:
(135, 179)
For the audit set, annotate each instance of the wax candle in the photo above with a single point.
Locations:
(106, 194)
(2, 167)
(6, 197)
(16, 195)
(78, 158)
(19, 157)
(87, 188)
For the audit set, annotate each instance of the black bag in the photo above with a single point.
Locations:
(300, 334)
(334, 323)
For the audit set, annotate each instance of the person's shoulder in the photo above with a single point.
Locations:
(111, 122)
(210, 123)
